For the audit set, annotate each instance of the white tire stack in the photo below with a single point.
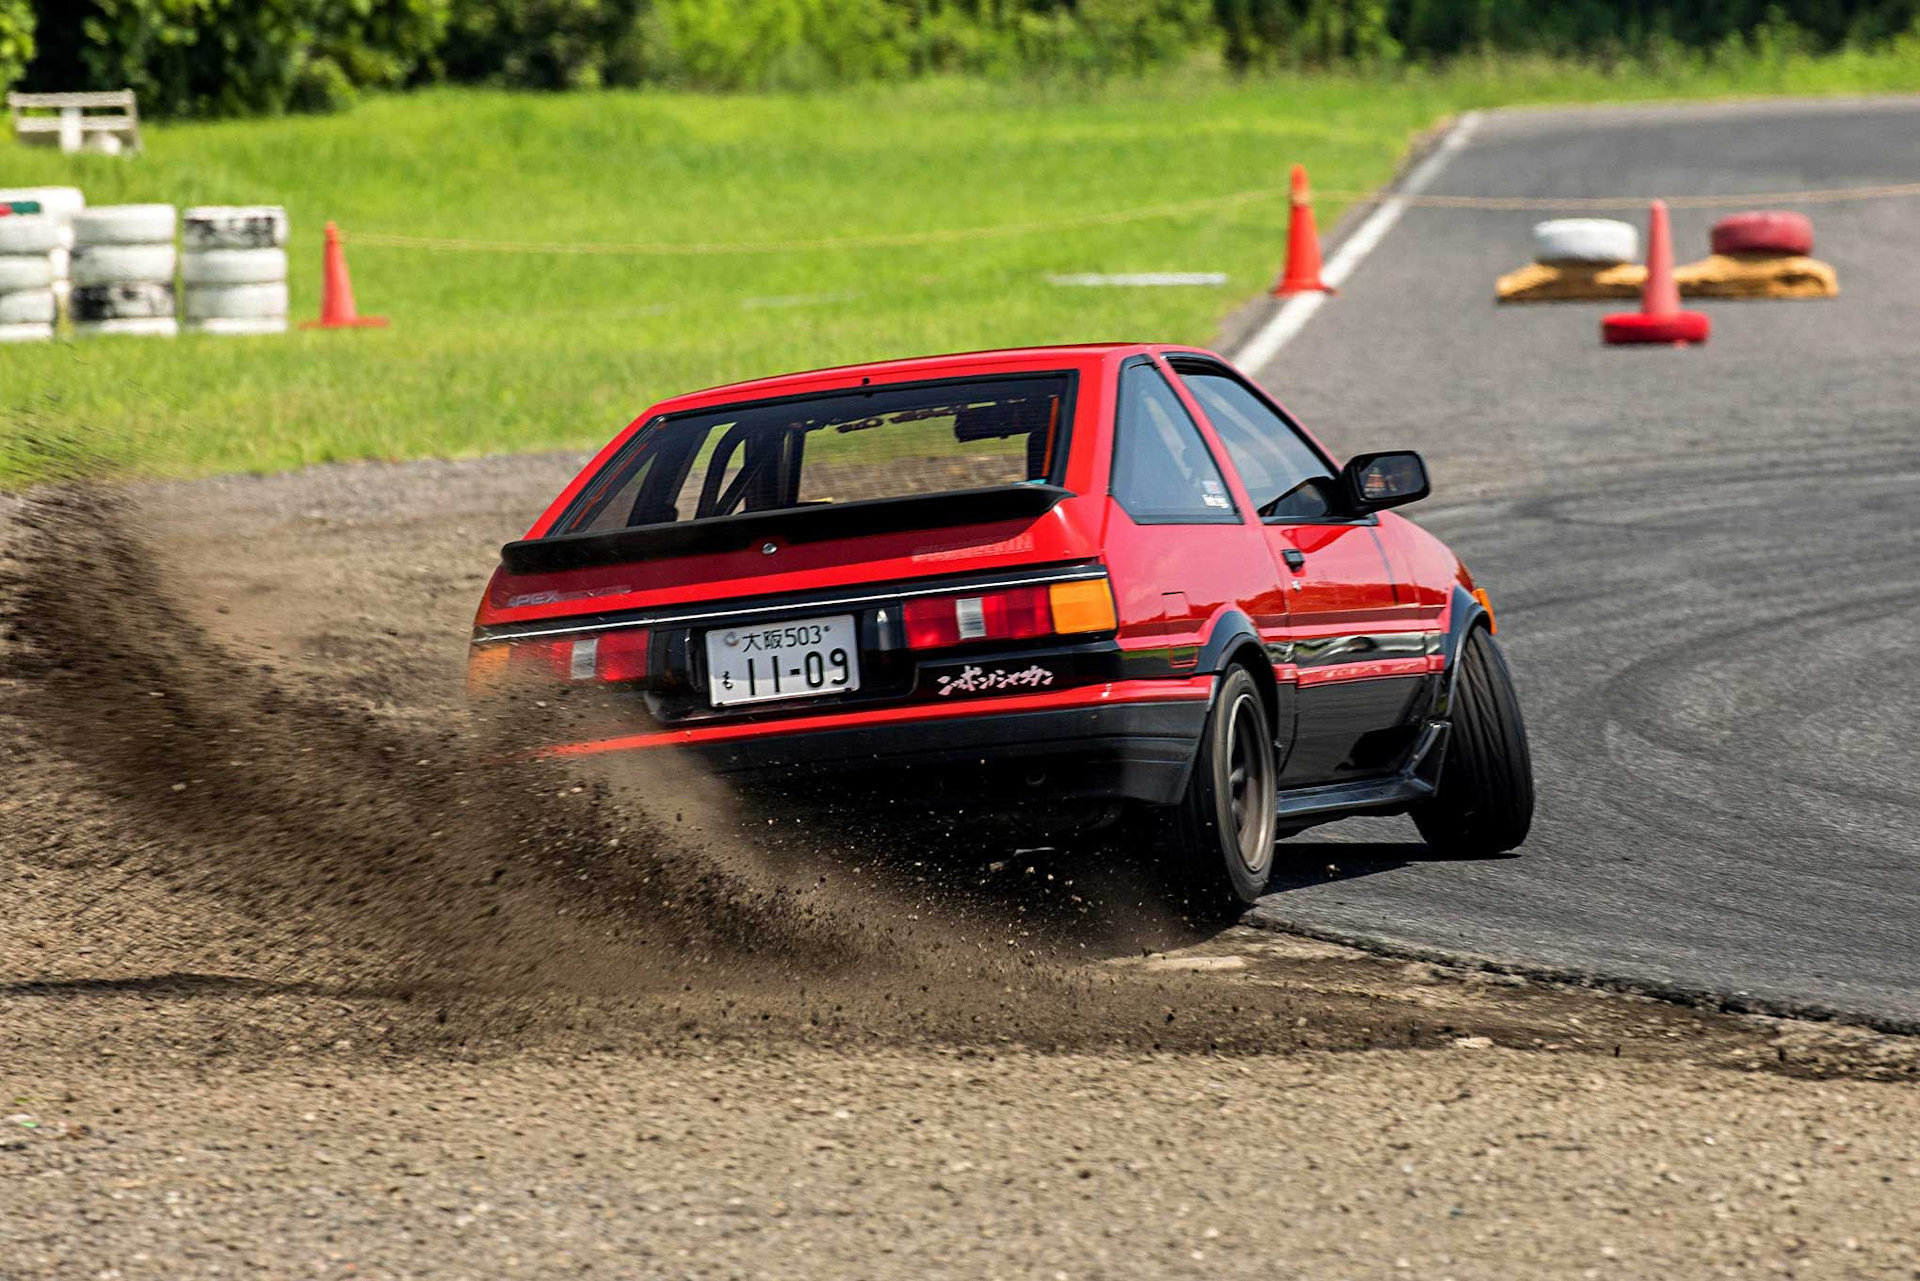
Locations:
(58, 204)
(235, 269)
(27, 304)
(1599, 242)
(123, 264)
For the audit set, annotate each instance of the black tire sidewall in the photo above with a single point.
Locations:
(1485, 803)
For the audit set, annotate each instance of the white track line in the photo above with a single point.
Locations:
(1296, 311)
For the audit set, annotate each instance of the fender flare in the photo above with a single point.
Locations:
(1464, 614)
(1232, 630)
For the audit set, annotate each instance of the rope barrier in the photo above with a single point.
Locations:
(903, 239)
(957, 235)
(1745, 200)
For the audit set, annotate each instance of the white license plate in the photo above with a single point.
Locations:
(802, 659)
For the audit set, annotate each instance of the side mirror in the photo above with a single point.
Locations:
(1370, 482)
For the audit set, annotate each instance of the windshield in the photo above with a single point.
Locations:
(841, 447)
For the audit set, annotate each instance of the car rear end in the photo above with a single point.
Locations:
(859, 575)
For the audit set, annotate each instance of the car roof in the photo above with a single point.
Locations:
(1007, 359)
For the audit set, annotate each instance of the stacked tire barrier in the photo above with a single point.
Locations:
(123, 265)
(1577, 260)
(28, 307)
(1601, 242)
(234, 269)
(1764, 234)
(59, 204)
(1763, 254)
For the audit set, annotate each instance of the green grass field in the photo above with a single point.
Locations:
(518, 351)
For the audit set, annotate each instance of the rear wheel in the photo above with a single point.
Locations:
(1485, 802)
(1223, 829)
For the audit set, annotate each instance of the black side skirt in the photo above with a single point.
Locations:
(1416, 781)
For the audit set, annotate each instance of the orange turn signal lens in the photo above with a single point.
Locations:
(1480, 594)
(1085, 606)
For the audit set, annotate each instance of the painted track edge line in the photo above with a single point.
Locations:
(1293, 315)
(1692, 996)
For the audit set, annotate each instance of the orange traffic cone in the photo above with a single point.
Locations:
(336, 292)
(1659, 319)
(1303, 243)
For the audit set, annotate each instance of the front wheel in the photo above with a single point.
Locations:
(1223, 829)
(1485, 802)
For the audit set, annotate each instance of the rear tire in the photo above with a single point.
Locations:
(1223, 828)
(1485, 802)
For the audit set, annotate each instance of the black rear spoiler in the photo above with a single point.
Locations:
(787, 524)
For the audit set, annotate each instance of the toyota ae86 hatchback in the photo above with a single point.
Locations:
(1064, 581)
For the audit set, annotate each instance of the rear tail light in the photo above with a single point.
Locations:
(622, 656)
(951, 620)
(609, 656)
(1009, 614)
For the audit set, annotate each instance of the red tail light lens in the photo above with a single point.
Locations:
(622, 655)
(933, 621)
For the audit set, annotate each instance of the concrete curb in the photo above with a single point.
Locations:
(1724, 1000)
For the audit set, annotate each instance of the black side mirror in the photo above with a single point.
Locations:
(1370, 482)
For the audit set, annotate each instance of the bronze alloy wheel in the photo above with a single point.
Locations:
(1225, 826)
(1249, 790)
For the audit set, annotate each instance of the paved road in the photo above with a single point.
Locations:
(1706, 565)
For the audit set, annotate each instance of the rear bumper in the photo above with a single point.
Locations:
(1126, 740)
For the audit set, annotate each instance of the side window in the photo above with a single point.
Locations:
(1162, 472)
(1280, 470)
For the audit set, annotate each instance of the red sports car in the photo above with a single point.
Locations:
(1068, 580)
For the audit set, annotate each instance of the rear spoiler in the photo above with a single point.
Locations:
(789, 524)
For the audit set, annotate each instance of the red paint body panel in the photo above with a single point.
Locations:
(1060, 535)
(1208, 567)
(1069, 532)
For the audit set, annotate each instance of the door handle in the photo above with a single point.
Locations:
(1295, 558)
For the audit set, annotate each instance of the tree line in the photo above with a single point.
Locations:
(244, 57)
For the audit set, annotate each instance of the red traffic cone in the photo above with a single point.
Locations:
(1659, 319)
(336, 292)
(1303, 243)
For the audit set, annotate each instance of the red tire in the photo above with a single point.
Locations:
(1636, 327)
(1764, 233)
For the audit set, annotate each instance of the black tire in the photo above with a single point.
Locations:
(1485, 801)
(1223, 828)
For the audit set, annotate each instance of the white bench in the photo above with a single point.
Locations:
(62, 118)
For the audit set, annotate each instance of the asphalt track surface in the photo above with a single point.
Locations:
(1706, 567)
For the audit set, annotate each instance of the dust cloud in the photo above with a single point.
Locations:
(491, 899)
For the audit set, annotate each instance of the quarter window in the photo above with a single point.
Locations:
(1285, 476)
(1162, 472)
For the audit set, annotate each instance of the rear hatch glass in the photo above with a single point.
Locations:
(865, 444)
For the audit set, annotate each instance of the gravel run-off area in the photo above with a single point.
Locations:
(298, 980)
